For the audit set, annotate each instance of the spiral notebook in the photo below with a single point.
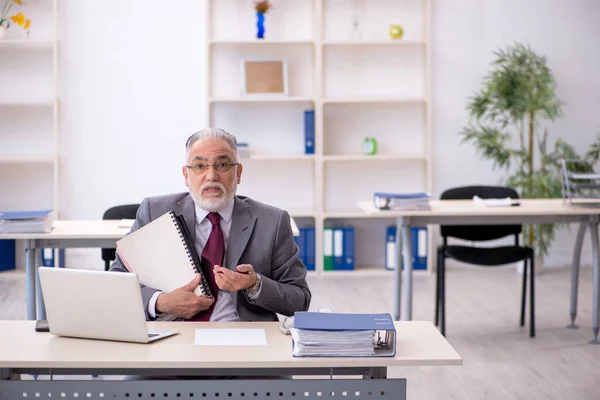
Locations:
(163, 255)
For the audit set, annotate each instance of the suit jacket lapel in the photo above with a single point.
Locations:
(242, 225)
(186, 207)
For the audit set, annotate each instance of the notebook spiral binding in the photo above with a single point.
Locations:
(191, 252)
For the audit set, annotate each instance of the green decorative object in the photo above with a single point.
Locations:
(396, 31)
(369, 146)
(517, 96)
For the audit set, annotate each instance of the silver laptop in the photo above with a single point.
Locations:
(96, 305)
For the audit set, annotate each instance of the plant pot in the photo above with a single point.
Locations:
(260, 25)
(3, 32)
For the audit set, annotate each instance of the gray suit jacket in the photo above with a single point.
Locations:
(260, 235)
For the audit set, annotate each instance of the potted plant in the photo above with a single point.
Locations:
(517, 95)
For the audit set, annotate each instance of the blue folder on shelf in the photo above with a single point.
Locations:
(327, 333)
(306, 247)
(49, 258)
(310, 248)
(418, 237)
(309, 132)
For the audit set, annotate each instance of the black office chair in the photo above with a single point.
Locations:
(127, 211)
(482, 256)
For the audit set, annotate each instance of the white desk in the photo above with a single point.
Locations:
(68, 234)
(24, 351)
(465, 212)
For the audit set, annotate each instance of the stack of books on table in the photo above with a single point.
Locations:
(317, 334)
(401, 201)
(39, 221)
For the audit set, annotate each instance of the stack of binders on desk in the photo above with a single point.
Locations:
(401, 201)
(317, 334)
(39, 221)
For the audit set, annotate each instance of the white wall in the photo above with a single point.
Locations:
(133, 88)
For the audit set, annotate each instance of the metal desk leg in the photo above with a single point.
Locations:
(407, 255)
(575, 273)
(30, 278)
(596, 296)
(398, 271)
(41, 308)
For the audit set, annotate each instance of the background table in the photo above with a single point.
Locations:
(68, 234)
(466, 212)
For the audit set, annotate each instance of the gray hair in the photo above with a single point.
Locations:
(216, 133)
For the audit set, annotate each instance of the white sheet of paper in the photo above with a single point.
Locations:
(230, 337)
(505, 202)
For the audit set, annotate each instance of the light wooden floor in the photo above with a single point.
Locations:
(500, 360)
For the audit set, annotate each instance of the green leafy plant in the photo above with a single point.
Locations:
(519, 92)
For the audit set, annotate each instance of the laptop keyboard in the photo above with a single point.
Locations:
(151, 335)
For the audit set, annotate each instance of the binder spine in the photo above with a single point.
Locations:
(192, 256)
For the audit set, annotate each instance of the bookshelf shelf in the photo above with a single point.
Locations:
(261, 99)
(294, 157)
(358, 86)
(29, 135)
(257, 42)
(26, 159)
(301, 213)
(26, 103)
(26, 44)
(344, 100)
(373, 43)
(376, 157)
(345, 214)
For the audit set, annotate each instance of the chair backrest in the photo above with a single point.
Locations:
(126, 211)
(479, 232)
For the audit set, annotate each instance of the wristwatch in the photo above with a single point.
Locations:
(254, 289)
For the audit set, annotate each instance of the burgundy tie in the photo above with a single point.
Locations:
(212, 255)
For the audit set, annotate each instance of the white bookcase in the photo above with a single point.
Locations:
(360, 82)
(29, 158)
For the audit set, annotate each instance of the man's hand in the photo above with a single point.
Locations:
(183, 302)
(233, 281)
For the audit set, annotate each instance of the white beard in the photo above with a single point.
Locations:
(216, 203)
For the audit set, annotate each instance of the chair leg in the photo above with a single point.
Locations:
(524, 290)
(443, 294)
(531, 298)
(437, 288)
(106, 265)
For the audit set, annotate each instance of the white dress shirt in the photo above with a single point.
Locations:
(226, 307)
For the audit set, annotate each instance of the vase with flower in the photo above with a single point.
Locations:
(261, 8)
(18, 18)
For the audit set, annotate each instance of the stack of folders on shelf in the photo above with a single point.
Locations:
(163, 255)
(418, 238)
(317, 334)
(306, 247)
(39, 221)
(338, 249)
(401, 201)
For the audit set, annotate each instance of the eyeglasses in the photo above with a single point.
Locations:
(219, 167)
